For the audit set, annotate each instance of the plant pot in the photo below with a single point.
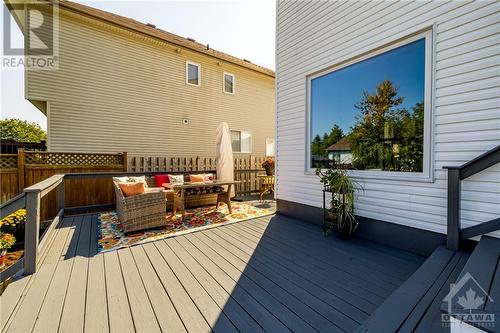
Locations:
(2, 256)
(269, 171)
(346, 227)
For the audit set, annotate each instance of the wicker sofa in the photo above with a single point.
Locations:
(142, 211)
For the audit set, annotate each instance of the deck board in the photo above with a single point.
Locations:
(270, 274)
(237, 314)
(96, 300)
(343, 283)
(33, 300)
(120, 315)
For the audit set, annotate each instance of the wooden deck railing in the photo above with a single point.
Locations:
(34, 245)
(455, 176)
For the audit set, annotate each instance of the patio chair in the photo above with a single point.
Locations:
(142, 211)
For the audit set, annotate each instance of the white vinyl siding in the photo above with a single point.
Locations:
(313, 36)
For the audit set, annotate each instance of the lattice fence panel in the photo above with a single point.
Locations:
(8, 161)
(74, 159)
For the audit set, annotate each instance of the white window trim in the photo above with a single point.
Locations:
(187, 73)
(251, 141)
(224, 83)
(429, 95)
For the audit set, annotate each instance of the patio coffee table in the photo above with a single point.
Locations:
(180, 193)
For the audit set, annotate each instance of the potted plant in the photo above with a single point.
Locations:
(14, 224)
(268, 165)
(6, 242)
(342, 188)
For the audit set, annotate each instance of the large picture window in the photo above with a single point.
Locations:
(369, 114)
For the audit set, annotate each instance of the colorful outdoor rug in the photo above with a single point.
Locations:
(110, 236)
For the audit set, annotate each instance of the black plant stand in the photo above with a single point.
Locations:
(326, 189)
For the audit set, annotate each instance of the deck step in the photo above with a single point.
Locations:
(415, 305)
(481, 274)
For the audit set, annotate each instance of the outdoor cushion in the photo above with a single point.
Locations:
(141, 179)
(120, 179)
(176, 179)
(161, 179)
(197, 178)
(130, 189)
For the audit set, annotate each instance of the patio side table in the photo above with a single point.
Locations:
(266, 185)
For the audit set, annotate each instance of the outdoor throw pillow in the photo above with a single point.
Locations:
(209, 177)
(176, 179)
(141, 179)
(120, 179)
(161, 179)
(197, 178)
(130, 189)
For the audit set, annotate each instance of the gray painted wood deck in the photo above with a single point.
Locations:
(271, 274)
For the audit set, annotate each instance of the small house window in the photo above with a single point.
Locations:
(192, 73)
(228, 83)
(241, 142)
(270, 147)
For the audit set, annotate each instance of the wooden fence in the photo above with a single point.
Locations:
(246, 168)
(21, 170)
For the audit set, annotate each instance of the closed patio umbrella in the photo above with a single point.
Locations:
(225, 170)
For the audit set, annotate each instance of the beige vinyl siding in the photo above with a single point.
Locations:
(313, 36)
(117, 90)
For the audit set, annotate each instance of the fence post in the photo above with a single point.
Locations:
(60, 199)
(31, 231)
(21, 161)
(453, 222)
(125, 161)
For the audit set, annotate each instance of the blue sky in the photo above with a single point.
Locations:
(243, 28)
(334, 95)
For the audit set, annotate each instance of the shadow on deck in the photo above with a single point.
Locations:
(273, 274)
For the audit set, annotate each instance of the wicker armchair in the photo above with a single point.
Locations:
(141, 211)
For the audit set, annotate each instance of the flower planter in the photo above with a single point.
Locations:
(2, 256)
(269, 171)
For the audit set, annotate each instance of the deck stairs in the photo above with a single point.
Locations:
(453, 282)
(419, 303)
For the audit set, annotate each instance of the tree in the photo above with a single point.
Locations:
(316, 146)
(21, 130)
(335, 135)
(386, 136)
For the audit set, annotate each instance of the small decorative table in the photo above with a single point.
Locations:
(266, 185)
(180, 193)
